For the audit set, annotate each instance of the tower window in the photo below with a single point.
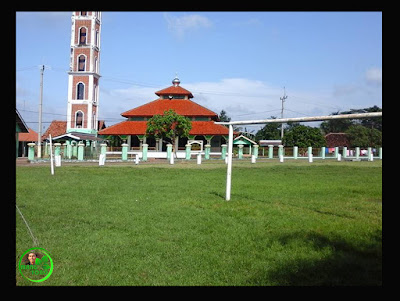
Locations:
(95, 64)
(94, 93)
(80, 91)
(94, 121)
(82, 36)
(96, 41)
(79, 119)
(81, 63)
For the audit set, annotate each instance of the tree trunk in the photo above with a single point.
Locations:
(173, 148)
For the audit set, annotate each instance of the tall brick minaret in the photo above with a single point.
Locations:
(83, 75)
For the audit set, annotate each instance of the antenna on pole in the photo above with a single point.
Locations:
(39, 154)
(283, 100)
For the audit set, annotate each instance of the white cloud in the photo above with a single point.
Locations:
(374, 76)
(239, 97)
(179, 26)
(114, 102)
(242, 99)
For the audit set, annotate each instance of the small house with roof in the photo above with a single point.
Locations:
(245, 141)
(24, 138)
(20, 128)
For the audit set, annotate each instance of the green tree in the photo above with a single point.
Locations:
(114, 140)
(169, 126)
(303, 136)
(248, 133)
(336, 125)
(271, 131)
(372, 123)
(342, 125)
(362, 136)
(223, 117)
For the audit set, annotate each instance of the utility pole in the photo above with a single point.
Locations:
(283, 100)
(39, 154)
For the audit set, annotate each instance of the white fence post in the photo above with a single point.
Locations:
(51, 157)
(102, 159)
(229, 169)
(310, 156)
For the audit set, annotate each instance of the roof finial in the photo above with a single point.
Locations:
(176, 80)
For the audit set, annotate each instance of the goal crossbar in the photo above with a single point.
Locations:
(304, 119)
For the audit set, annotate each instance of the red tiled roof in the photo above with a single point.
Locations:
(337, 139)
(56, 128)
(183, 107)
(59, 127)
(125, 128)
(178, 90)
(139, 128)
(208, 128)
(28, 137)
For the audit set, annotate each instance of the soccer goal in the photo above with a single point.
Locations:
(281, 120)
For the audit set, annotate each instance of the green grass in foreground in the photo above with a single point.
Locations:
(286, 224)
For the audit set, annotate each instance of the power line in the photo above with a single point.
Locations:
(26, 68)
(123, 81)
(66, 115)
(149, 85)
(297, 112)
(314, 103)
(200, 92)
(42, 112)
(262, 112)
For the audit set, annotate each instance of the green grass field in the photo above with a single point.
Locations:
(291, 223)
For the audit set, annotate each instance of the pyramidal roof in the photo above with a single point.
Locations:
(184, 107)
(175, 89)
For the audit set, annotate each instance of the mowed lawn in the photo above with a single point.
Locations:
(291, 223)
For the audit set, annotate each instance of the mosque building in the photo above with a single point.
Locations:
(177, 98)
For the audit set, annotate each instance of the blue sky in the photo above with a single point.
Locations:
(236, 61)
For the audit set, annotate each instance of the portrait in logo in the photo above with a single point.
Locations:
(35, 265)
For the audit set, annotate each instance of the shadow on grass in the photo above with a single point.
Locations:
(348, 264)
(218, 194)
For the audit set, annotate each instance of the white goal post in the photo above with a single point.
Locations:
(281, 120)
